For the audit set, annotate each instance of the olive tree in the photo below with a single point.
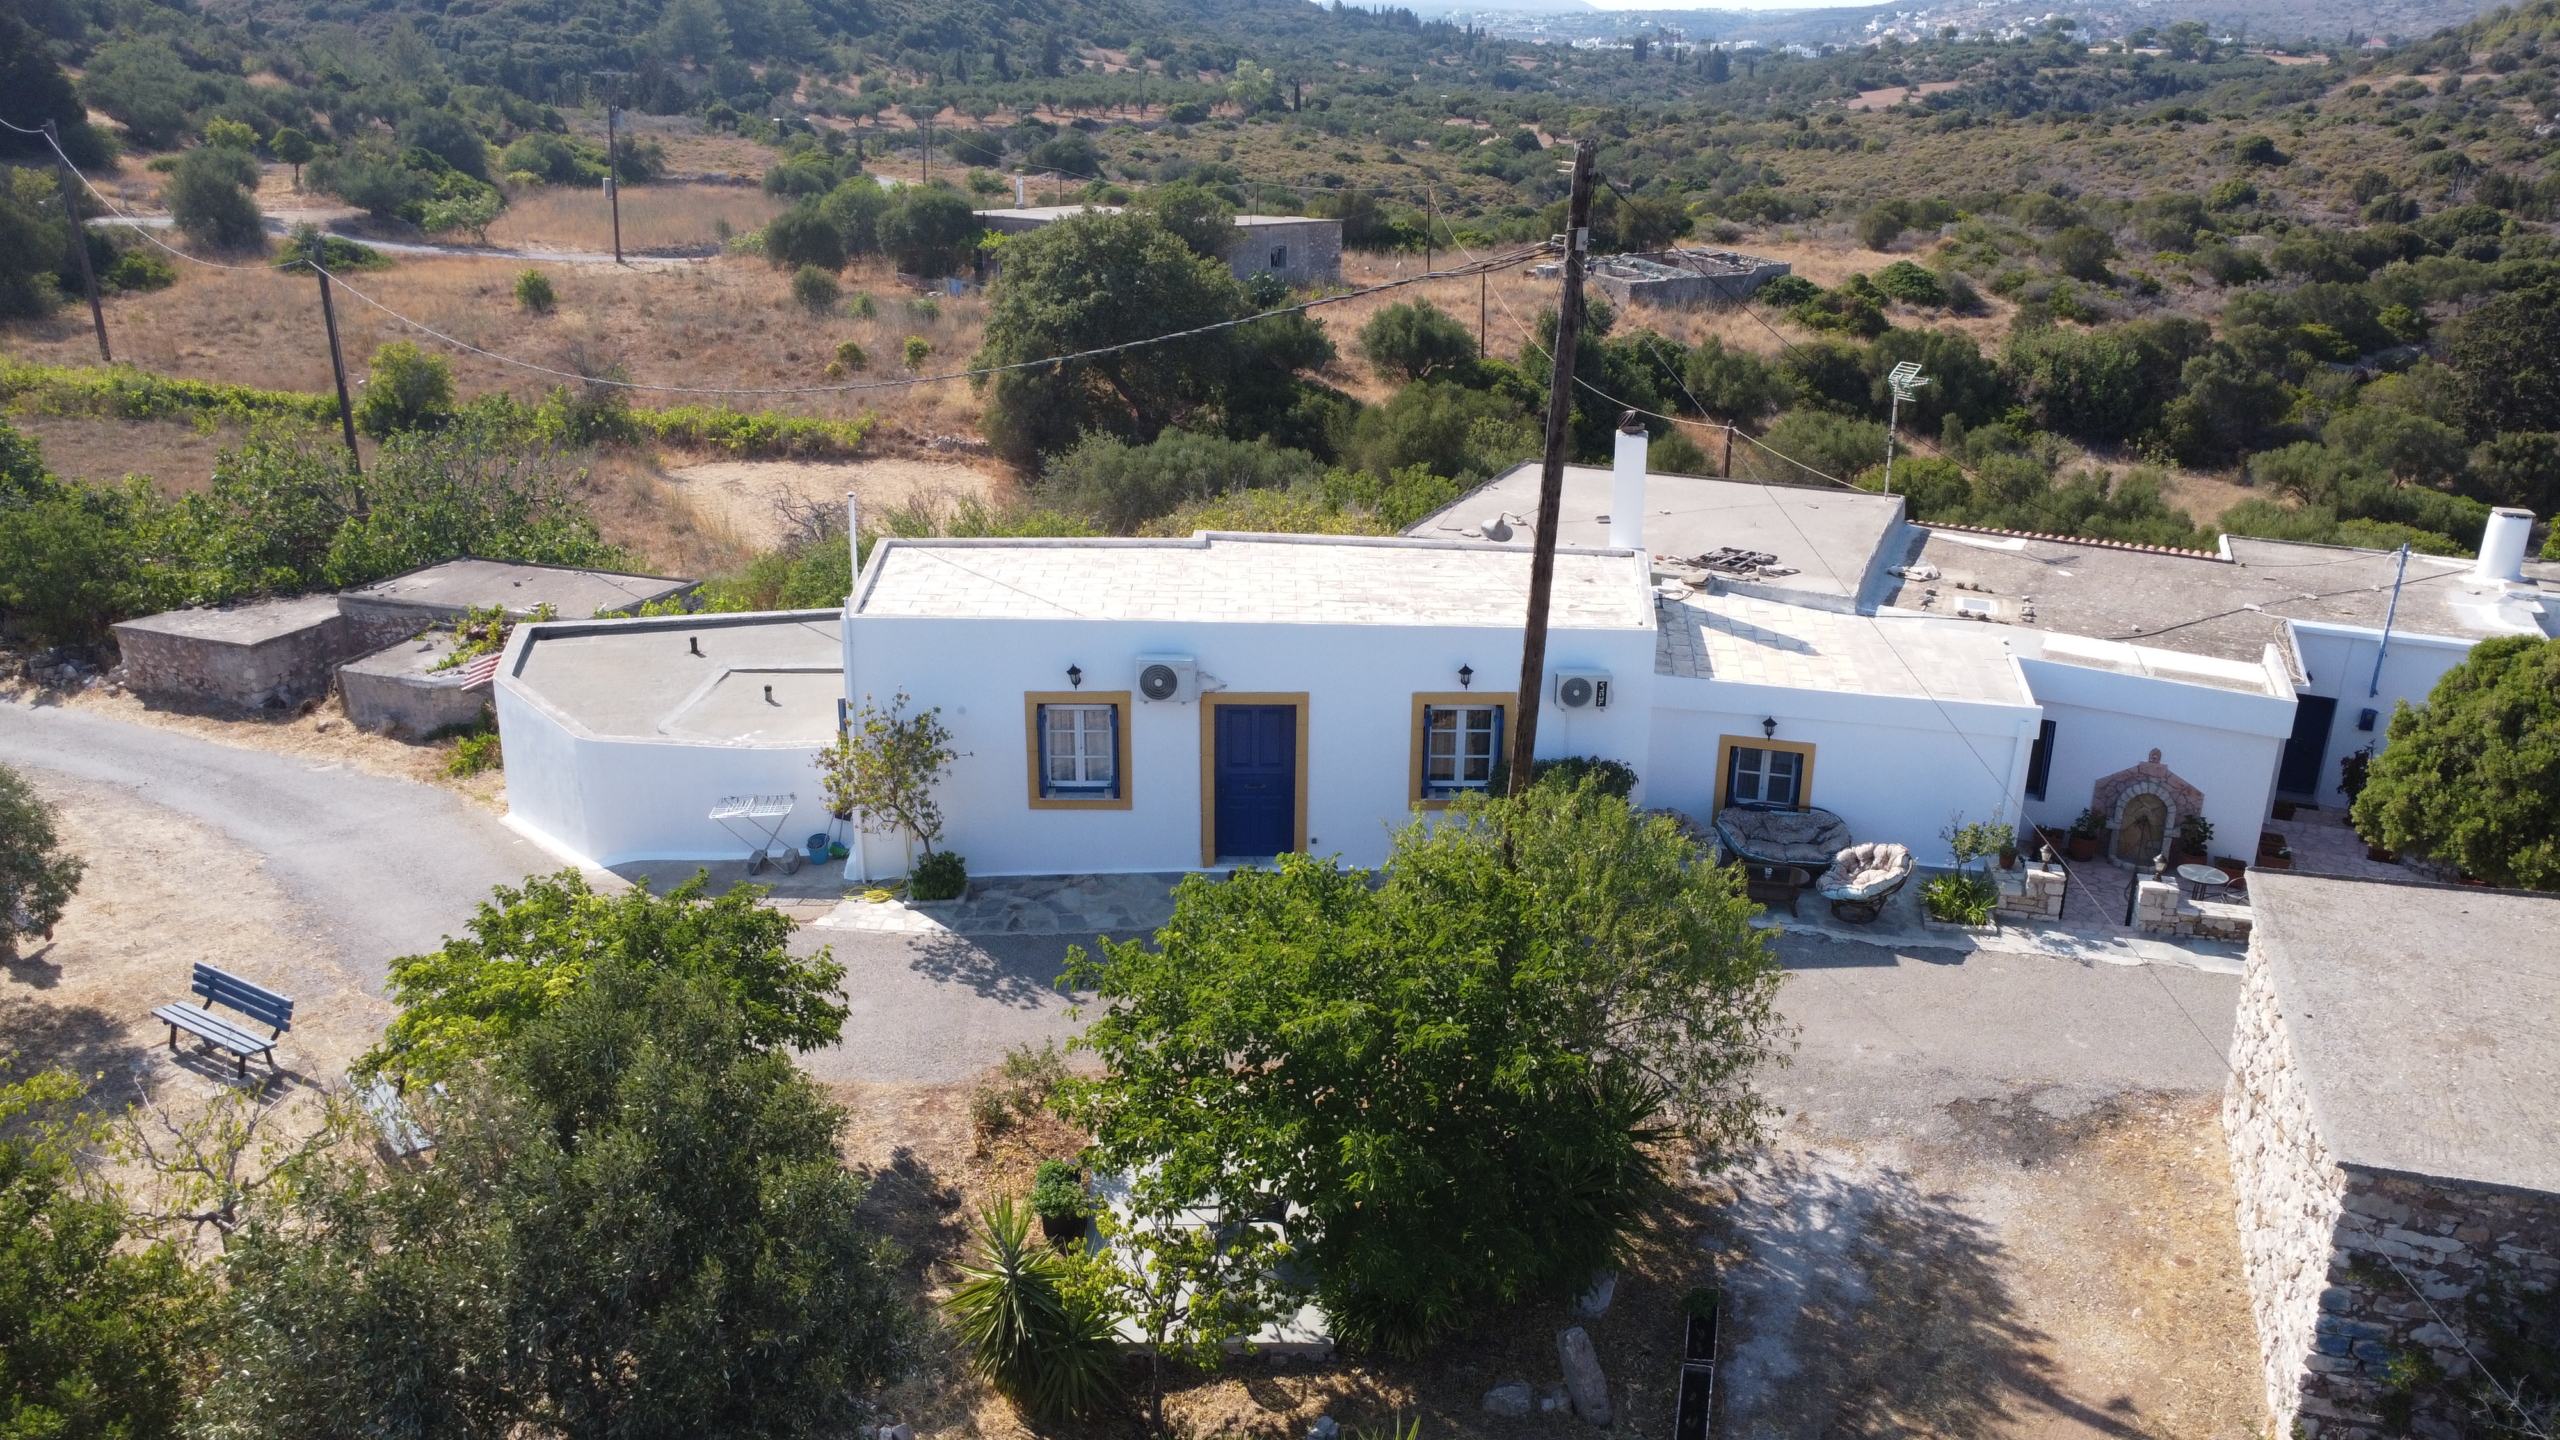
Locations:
(1456, 1072)
(885, 768)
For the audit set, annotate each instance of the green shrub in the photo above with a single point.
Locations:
(1731, 383)
(405, 388)
(2472, 777)
(815, 290)
(800, 237)
(1057, 1192)
(941, 875)
(1879, 227)
(1407, 342)
(208, 195)
(1960, 899)
(335, 254)
(930, 232)
(473, 754)
(534, 292)
(1911, 284)
(137, 268)
(1839, 446)
(1787, 291)
(1123, 486)
(36, 878)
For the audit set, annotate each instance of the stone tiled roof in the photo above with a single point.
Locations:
(1285, 579)
(1766, 642)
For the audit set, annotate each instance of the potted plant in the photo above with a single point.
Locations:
(2084, 834)
(942, 875)
(2195, 839)
(2009, 855)
(1058, 1198)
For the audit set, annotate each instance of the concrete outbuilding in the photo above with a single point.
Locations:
(1300, 249)
(267, 654)
(2389, 1113)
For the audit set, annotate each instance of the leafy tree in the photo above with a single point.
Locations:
(1911, 284)
(372, 181)
(449, 138)
(637, 1225)
(1880, 226)
(405, 388)
(33, 89)
(2472, 777)
(1732, 383)
(2104, 385)
(1091, 281)
(1196, 216)
(929, 232)
(2224, 406)
(529, 951)
(885, 767)
(1406, 342)
(1963, 382)
(2505, 356)
(100, 1329)
(1447, 430)
(802, 238)
(2521, 470)
(293, 148)
(854, 208)
(1452, 1070)
(1123, 486)
(31, 245)
(142, 83)
(2409, 448)
(208, 196)
(1069, 152)
(36, 878)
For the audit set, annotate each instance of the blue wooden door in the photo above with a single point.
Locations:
(1257, 780)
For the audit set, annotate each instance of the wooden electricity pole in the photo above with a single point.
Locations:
(338, 366)
(1542, 566)
(79, 238)
(613, 179)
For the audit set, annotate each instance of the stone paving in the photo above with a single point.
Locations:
(1078, 905)
(1023, 905)
(2324, 842)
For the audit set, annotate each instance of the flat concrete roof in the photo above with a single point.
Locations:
(1043, 214)
(2204, 604)
(1755, 641)
(2424, 1018)
(642, 680)
(417, 657)
(1830, 537)
(1219, 577)
(252, 623)
(449, 589)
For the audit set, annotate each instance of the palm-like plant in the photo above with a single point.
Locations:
(1051, 1350)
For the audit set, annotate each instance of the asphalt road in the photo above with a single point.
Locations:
(380, 868)
(376, 868)
(1890, 1041)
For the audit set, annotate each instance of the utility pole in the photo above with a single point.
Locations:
(1427, 216)
(1906, 381)
(1728, 452)
(79, 237)
(338, 366)
(1542, 565)
(924, 154)
(1484, 288)
(612, 162)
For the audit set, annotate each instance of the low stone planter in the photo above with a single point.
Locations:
(1982, 932)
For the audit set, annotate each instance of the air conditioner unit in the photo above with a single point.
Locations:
(1582, 689)
(1170, 679)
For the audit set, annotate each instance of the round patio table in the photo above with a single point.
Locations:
(2204, 878)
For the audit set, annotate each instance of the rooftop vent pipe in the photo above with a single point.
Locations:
(1626, 497)
(2502, 545)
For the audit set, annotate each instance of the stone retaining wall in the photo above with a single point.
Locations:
(2352, 1269)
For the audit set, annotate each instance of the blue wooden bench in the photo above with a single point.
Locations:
(264, 1006)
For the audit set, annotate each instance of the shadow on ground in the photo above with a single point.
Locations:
(81, 1039)
(1021, 971)
(1861, 1304)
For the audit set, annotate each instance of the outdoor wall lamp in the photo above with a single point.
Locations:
(1075, 677)
(1769, 729)
(1466, 676)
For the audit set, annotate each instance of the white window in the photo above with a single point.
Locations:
(1080, 752)
(1764, 777)
(1460, 746)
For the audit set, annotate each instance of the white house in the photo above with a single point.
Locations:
(1152, 705)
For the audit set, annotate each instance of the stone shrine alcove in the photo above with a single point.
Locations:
(2143, 806)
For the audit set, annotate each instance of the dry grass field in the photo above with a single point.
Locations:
(654, 217)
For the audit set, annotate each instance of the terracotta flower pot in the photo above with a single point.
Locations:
(2084, 847)
(2381, 856)
(2008, 859)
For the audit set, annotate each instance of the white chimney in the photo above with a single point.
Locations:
(1626, 493)
(1021, 197)
(2502, 545)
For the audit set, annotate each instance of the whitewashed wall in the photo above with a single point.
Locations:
(608, 802)
(1895, 768)
(2226, 743)
(2339, 660)
(1360, 681)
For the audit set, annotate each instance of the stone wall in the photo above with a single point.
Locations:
(2352, 1269)
(2161, 908)
(2288, 1190)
